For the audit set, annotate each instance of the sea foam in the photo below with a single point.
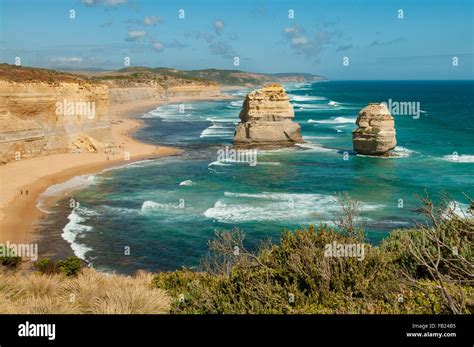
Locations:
(457, 208)
(461, 158)
(74, 229)
(217, 130)
(315, 147)
(402, 151)
(306, 98)
(270, 206)
(337, 120)
(74, 183)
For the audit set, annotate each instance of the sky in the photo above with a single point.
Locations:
(342, 40)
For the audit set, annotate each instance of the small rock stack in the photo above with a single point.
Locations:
(375, 134)
(266, 118)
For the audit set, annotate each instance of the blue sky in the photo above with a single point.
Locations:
(378, 44)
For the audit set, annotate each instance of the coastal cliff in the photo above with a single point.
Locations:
(266, 118)
(141, 83)
(251, 79)
(47, 112)
(147, 91)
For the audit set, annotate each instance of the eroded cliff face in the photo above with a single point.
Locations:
(38, 118)
(121, 93)
(266, 118)
(195, 89)
(48, 112)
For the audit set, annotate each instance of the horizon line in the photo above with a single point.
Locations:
(99, 69)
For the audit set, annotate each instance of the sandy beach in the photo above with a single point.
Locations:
(21, 182)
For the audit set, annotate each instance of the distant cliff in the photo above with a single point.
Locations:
(206, 77)
(144, 83)
(237, 77)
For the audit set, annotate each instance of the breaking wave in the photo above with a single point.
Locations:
(267, 206)
(74, 230)
(461, 158)
(337, 120)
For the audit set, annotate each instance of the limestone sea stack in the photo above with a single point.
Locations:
(375, 134)
(266, 118)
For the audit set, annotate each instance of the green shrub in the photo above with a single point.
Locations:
(46, 266)
(439, 255)
(10, 260)
(453, 233)
(292, 277)
(70, 266)
(397, 244)
(296, 276)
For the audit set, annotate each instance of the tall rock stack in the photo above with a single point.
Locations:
(375, 134)
(266, 118)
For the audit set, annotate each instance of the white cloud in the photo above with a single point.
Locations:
(158, 46)
(218, 26)
(135, 35)
(67, 60)
(299, 40)
(309, 44)
(151, 20)
(114, 2)
(109, 3)
(291, 30)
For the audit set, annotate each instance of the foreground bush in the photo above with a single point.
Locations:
(46, 266)
(441, 251)
(8, 258)
(69, 266)
(297, 277)
(428, 269)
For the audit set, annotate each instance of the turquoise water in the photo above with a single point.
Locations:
(166, 210)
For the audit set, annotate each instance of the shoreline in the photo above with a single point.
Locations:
(19, 213)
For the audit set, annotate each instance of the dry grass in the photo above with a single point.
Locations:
(29, 74)
(89, 292)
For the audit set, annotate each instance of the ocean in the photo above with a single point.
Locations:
(159, 214)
